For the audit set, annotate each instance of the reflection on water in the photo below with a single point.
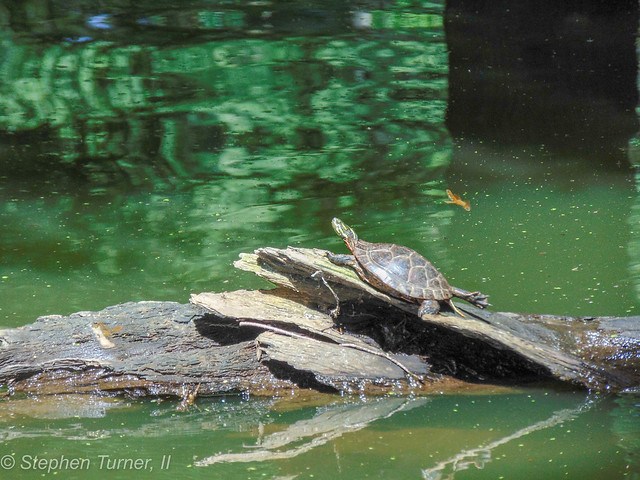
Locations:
(459, 436)
(143, 150)
(533, 241)
(144, 163)
(479, 457)
(306, 435)
(247, 106)
(142, 147)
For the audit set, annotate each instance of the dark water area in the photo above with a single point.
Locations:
(563, 78)
(144, 145)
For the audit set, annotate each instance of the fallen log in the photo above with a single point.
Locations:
(277, 341)
(600, 353)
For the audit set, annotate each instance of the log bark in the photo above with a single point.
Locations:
(144, 348)
(600, 353)
(282, 340)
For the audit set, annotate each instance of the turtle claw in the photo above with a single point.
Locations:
(476, 298)
(479, 300)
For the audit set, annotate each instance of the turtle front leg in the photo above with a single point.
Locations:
(342, 259)
(429, 307)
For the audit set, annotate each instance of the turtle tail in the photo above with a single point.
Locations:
(476, 298)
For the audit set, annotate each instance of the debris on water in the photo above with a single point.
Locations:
(456, 200)
(189, 396)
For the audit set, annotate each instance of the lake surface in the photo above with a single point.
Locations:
(537, 433)
(143, 148)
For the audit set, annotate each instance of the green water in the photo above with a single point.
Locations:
(540, 433)
(142, 150)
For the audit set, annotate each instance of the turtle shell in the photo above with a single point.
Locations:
(401, 272)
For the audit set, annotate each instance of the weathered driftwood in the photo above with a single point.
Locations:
(601, 353)
(140, 348)
(270, 342)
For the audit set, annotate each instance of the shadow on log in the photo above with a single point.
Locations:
(277, 341)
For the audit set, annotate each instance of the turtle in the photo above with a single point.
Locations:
(400, 272)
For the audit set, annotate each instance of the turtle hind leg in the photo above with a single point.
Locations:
(432, 307)
(476, 298)
(429, 307)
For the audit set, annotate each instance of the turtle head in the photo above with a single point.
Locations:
(344, 231)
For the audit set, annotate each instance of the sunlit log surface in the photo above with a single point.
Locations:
(600, 353)
(282, 340)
